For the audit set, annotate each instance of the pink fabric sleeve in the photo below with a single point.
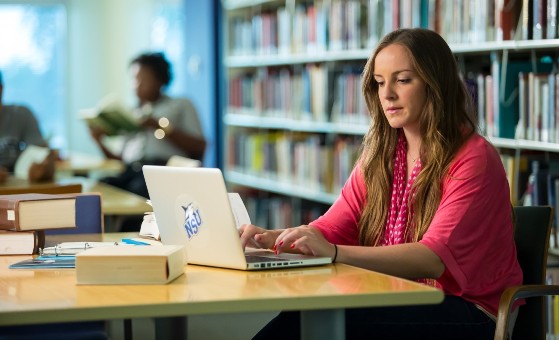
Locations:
(472, 230)
(339, 223)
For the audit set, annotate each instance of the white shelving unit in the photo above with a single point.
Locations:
(283, 188)
(250, 119)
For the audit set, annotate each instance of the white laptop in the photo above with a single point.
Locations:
(192, 208)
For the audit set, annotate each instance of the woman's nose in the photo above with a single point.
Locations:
(388, 92)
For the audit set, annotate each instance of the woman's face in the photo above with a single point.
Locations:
(401, 91)
(146, 84)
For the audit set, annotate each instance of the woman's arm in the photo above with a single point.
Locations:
(408, 260)
(191, 145)
(97, 134)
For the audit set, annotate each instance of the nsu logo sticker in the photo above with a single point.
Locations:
(192, 220)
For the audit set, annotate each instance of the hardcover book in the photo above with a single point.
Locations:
(129, 265)
(110, 117)
(21, 242)
(23, 212)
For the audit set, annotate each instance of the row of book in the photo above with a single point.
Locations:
(518, 99)
(542, 183)
(26, 218)
(308, 160)
(538, 107)
(552, 304)
(308, 27)
(278, 212)
(517, 179)
(313, 92)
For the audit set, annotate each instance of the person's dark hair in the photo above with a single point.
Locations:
(158, 63)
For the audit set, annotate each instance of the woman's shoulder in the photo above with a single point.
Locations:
(477, 145)
(18, 112)
(174, 105)
(178, 102)
(16, 109)
(477, 152)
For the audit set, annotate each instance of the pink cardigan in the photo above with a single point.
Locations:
(472, 230)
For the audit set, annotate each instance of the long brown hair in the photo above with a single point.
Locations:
(446, 122)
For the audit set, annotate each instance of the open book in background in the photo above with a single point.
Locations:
(111, 117)
(31, 154)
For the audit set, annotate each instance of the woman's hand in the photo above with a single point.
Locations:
(257, 237)
(306, 240)
(150, 122)
(96, 133)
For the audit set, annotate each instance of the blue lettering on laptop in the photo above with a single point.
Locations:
(192, 220)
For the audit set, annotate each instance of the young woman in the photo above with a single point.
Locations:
(428, 200)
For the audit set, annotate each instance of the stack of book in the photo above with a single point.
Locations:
(25, 217)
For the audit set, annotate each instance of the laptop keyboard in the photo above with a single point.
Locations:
(258, 258)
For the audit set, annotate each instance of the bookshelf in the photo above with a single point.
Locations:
(293, 85)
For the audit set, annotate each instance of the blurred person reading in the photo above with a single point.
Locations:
(18, 129)
(166, 126)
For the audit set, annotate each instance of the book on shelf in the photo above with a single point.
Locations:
(21, 242)
(23, 212)
(111, 117)
(507, 19)
(129, 265)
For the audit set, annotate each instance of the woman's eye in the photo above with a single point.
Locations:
(380, 83)
(404, 81)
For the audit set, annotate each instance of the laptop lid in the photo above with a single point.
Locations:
(192, 208)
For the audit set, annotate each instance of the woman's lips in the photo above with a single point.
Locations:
(393, 109)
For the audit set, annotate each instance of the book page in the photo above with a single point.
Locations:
(31, 154)
(149, 228)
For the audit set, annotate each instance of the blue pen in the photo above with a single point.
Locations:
(134, 242)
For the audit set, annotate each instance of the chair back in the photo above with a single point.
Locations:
(532, 229)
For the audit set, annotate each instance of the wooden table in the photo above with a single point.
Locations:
(15, 185)
(119, 202)
(115, 201)
(321, 293)
(87, 165)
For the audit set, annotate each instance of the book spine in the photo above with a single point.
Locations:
(39, 241)
(8, 214)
